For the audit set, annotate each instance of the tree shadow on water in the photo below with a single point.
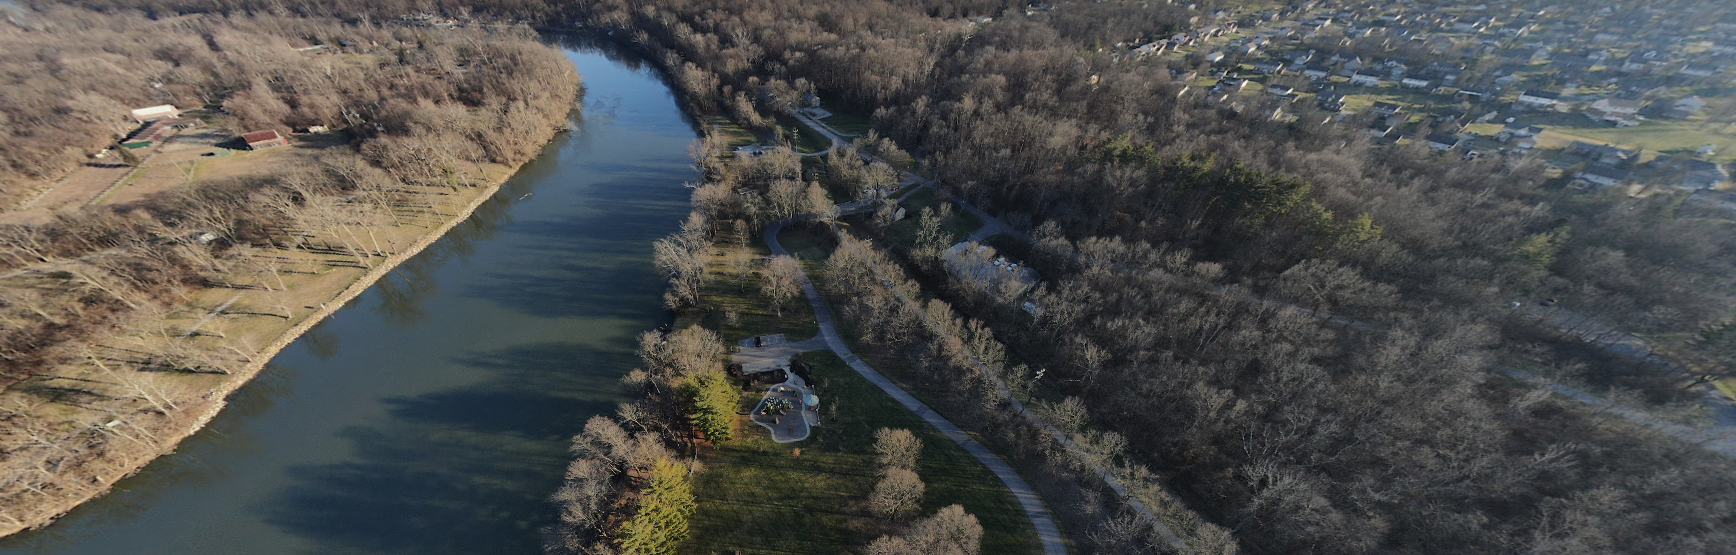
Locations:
(460, 471)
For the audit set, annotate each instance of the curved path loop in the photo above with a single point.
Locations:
(1050, 534)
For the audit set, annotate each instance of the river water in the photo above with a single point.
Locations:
(431, 415)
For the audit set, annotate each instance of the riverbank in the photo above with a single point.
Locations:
(103, 444)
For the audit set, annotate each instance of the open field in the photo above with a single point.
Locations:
(728, 289)
(762, 497)
(853, 123)
(903, 232)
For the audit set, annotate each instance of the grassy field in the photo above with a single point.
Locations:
(733, 135)
(726, 290)
(959, 225)
(806, 140)
(853, 123)
(762, 497)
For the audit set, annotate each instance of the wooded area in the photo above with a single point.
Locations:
(1174, 240)
(108, 348)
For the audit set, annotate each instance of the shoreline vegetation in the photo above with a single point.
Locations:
(128, 325)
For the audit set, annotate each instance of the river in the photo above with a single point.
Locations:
(431, 415)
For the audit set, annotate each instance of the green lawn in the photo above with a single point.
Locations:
(809, 245)
(725, 290)
(760, 497)
(959, 225)
(806, 140)
(733, 135)
(853, 123)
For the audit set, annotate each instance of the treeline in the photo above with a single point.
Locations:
(1284, 428)
(93, 309)
(1301, 435)
(419, 125)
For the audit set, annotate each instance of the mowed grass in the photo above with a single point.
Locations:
(806, 140)
(959, 225)
(854, 123)
(727, 290)
(760, 497)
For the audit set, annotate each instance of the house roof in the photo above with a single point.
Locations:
(1609, 172)
(261, 136)
(1534, 93)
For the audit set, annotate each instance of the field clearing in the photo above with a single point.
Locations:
(763, 497)
(850, 122)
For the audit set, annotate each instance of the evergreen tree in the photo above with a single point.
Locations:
(711, 404)
(659, 521)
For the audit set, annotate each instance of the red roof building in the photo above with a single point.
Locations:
(263, 139)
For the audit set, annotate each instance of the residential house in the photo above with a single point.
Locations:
(1539, 99)
(1365, 80)
(1214, 57)
(1329, 101)
(144, 115)
(1280, 90)
(1444, 141)
(1686, 108)
(1415, 83)
(1515, 131)
(1620, 111)
(263, 139)
(1385, 109)
(1378, 128)
(1699, 70)
(1269, 67)
(1602, 154)
(1700, 174)
(1604, 175)
(1316, 73)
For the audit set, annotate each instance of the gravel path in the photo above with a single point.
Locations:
(1050, 534)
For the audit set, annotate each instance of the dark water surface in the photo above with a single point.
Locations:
(431, 416)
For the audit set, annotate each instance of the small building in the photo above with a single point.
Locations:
(1605, 175)
(1700, 70)
(1444, 141)
(143, 115)
(1602, 154)
(1539, 99)
(1515, 131)
(263, 139)
(1385, 109)
(1378, 128)
(1414, 83)
(1621, 112)
(1364, 80)
(1700, 174)
(1214, 57)
(1315, 73)
(979, 265)
(1686, 108)
(1269, 67)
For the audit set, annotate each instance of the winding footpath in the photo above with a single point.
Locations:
(1053, 544)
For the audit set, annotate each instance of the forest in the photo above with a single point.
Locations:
(1176, 243)
(104, 356)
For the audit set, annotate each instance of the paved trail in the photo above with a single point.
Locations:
(1050, 534)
